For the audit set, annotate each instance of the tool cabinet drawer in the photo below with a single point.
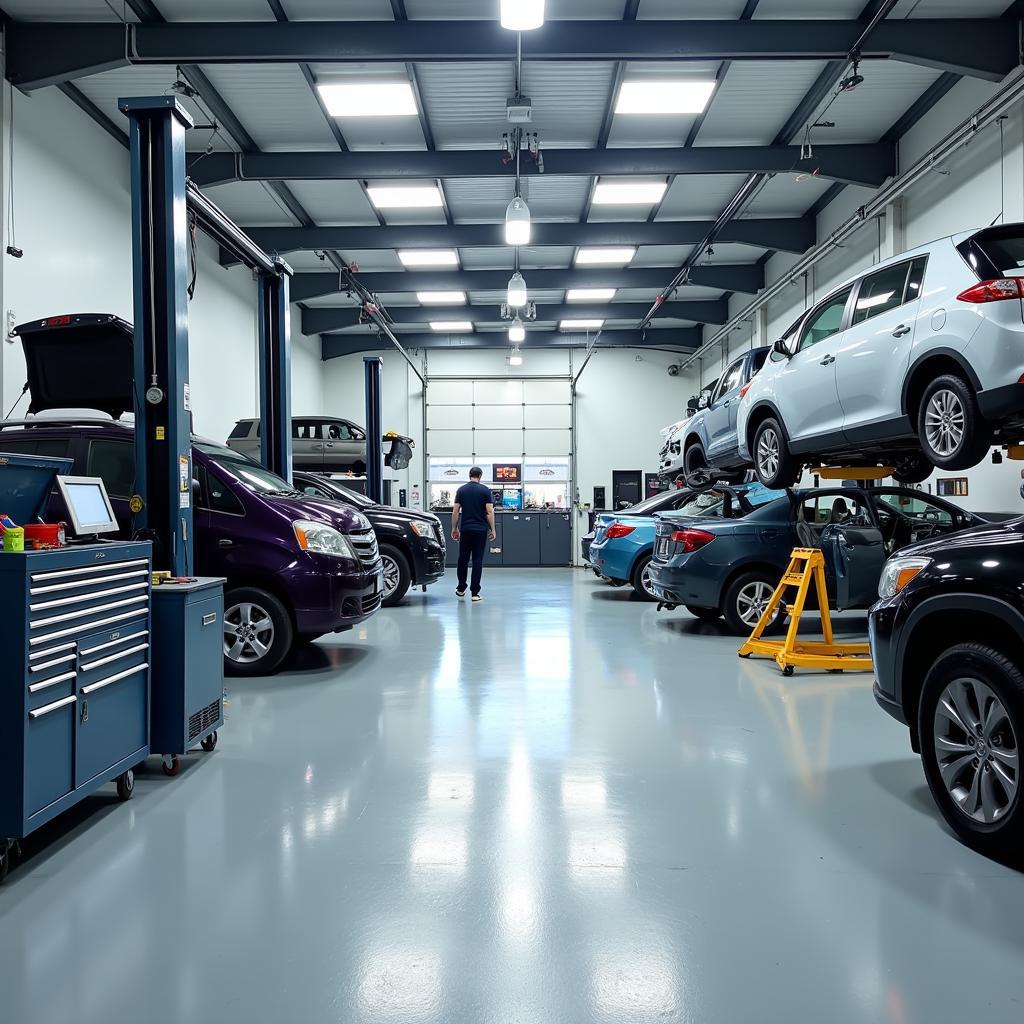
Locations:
(47, 689)
(49, 762)
(113, 720)
(98, 661)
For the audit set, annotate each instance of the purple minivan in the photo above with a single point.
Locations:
(296, 567)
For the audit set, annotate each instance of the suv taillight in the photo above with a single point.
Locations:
(618, 530)
(692, 539)
(994, 291)
(745, 388)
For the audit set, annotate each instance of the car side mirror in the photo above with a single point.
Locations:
(780, 348)
(702, 402)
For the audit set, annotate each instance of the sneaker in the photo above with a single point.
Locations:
(460, 594)
(477, 597)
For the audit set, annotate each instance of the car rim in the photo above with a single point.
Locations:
(645, 581)
(976, 750)
(768, 453)
(391, 575)
(752, 600)
(248, 633)
(944, 422)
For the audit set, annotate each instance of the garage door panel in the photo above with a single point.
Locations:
(448, 417)
(548, 416)
(548, 442)
(450, 442)
(491, 441)
(450, 392)
(498, 417)
(546, 392)
(498, 392)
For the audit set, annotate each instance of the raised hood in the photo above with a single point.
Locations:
(79, 361)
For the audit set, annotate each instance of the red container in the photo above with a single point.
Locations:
(44, 535)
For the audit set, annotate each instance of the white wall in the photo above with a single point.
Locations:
(73, 217)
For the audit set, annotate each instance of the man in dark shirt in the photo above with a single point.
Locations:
(472, 525)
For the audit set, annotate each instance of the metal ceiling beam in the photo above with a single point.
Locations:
(47, 53)
(788, 234)
(861, 164)
(324, 319)
(738, 277)
(683, 340)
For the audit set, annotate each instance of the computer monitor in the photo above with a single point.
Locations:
(87, 504)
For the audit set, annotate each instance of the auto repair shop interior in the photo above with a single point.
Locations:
(724, 300)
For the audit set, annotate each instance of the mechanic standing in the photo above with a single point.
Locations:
(472, 526)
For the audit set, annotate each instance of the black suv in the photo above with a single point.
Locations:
(947, 638)
(411, 543)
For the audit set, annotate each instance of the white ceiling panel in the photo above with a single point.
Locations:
(538, 256)
(559, 198)
(661, 256)
(371, 260)
(337, 299)
(755, 100)
(496, 258)
(275, 105)
(334, 202)
(303, 261)
(734, 252)
(699, 196)
(64, 10)
(569, 100)
(539, 295)
(949, 9)
(479, 200)
(465, 102)
(337, 10)
(250, 203)
(788, 195)
(666, 10)
(213, 10)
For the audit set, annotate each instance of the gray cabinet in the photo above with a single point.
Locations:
(555, 538)
(521, 538)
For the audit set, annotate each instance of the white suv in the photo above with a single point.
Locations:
(917, 363)
(670, 456)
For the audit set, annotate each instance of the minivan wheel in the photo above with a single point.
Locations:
(774, 465)
(914, 470)
(971, 722)
(257, 632)
(950, 427)
(397, 576)
(696, 471)
(641, 581)
(746, 599)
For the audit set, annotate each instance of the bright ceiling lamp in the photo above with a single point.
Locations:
(522, 15)
(428, 258)
(441, 298)
(581, 325)
(405, 197)
(515, 357)
(629, 193)
(619, 256)
(658, 96)
(450, 325)
(589, 294)
(517, 222)
(368, 99)
(517, 332)
(517, 294)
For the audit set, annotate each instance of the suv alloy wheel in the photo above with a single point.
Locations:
(952, 432)
(774, 465)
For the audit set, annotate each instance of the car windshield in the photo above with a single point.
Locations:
(647, 505)
(697, 503)
(728, 507)
(346, 494)
(248, 472)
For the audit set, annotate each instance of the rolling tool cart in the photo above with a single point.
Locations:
(74, 662)
(188, 675)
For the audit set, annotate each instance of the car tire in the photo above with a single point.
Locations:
(271, 629)
(638, 580)
(914, 470)
(745, 598)
(397, 573)
(775, 466)
(696, 472)
(950, 426)
(705, 614)
(970, 785)
(359, 467)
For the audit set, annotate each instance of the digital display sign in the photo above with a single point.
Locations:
(507, 472)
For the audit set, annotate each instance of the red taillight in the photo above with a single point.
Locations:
(692, 539)
(745, 388)
(57, 321)
(994, 291)
(619, 530)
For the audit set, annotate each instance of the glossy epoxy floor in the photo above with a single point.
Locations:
(558, 806)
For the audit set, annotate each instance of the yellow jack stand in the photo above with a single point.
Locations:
(806, 565)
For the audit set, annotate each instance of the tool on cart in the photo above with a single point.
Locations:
(806, 569)
(33, 536)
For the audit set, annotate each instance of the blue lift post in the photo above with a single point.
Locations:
(374, 430)
(275, 369)
(163, 449)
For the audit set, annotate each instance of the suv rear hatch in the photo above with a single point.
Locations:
(79, 361)
(996, 255)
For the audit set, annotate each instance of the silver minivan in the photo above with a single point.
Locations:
(319, 443)
(917, 363)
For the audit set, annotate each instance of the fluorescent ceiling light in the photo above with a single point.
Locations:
(522, 15)
(620, 255)
(658, 96)
(441, 298)
(405, 197)
(517, 222)
(581, 325)
(629, 193)
(451, 325)
(589, 294)
(368, 99)
(517, 332)
(428, 257)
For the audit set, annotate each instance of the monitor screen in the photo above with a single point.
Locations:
(87, 504)
(512, 499)
(507, 472)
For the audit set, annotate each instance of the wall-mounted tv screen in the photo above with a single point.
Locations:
(507, 472)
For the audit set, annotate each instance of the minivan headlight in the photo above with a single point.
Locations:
(898, 572)
(322, 539)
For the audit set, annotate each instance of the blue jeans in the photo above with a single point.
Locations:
(471, 542)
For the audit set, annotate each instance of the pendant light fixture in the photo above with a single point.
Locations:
(517, 294)
(517, 332)
(517, 222)
(522, 15)
(515, 357)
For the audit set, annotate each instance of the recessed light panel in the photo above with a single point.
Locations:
(428, 257)
(368, 99)
(590, 294)
(441, 298)
(581, 325)
(658, 96)
(405, 197)
(451, 325)
(615, 256)
(628, 193)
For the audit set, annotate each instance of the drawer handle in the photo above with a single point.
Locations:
(47, 708)
(43, 665)
(83, 613)
(136, 613)
(52, 650)
(88, 652)
(46, 683)
(96, 595)
(60, 573)
(75, 584)
(115, 678)
(209, 618)
(116, 656)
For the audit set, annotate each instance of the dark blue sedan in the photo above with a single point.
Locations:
(718, 566)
